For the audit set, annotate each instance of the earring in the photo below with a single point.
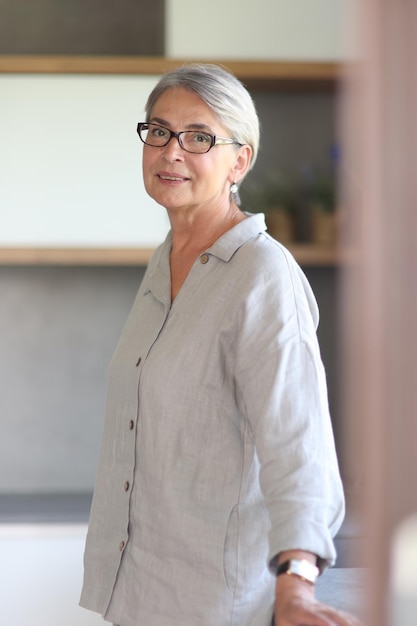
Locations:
(233, 187)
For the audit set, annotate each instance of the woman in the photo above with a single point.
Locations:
(217, 467)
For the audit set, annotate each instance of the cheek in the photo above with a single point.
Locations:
(210, 170)
(147, 163)
(146, 158)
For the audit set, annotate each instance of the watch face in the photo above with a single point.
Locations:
(304, 569)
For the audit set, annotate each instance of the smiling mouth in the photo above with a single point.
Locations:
(172, 178)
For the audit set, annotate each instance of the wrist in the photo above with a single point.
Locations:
(302, 569)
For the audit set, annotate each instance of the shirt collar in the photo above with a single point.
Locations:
(225, 247)
(158, 279)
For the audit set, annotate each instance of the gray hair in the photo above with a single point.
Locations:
(222, 92)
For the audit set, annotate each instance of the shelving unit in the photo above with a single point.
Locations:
(270, 75)
(257, 75)
(305, 254)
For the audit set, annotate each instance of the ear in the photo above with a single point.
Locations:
(241, 163)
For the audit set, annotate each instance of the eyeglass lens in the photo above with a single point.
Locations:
(191, 140)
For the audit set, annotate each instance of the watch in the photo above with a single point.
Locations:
(303, 569)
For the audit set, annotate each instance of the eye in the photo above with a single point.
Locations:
(159, 132)
(202, 138)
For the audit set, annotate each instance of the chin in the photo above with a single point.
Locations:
(171, 201)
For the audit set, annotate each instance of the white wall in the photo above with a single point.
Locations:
(70, 159)
(265, 29)
(70, 162)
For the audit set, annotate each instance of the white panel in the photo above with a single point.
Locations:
(265, 29)
(41, 576)
(70, 162)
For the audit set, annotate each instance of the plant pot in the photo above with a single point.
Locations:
(281, 225)
(324, 227)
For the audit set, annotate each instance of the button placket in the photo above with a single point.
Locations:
(126, 484)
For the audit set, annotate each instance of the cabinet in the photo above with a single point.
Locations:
(265, 77)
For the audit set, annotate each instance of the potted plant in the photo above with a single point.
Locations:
(323, 210)
(279, 200)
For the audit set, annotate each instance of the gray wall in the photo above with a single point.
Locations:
(298, 131)
(58, 329)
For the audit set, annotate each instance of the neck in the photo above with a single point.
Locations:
(198, 231)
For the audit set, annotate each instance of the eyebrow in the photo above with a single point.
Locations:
(194, 126)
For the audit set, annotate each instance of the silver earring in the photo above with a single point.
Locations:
(233, 187)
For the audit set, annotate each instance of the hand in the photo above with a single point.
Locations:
(296, 605)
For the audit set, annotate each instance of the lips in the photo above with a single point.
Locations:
(172, 177)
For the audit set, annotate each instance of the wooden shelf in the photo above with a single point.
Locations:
(74, 256)
(310, 254)
(270, 75)
(306, 254)
(258, 75)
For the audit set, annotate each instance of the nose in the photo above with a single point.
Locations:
(173, 150)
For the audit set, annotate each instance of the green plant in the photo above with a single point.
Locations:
(251, 194)
(323, 193)
(276, 191)
(279, 192)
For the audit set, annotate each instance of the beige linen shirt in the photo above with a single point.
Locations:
(217, 450)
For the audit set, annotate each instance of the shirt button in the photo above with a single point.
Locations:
(126, 486)
(204, 259)
(131, 424)
(121, 545)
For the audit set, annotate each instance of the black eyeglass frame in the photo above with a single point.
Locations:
(215, 140)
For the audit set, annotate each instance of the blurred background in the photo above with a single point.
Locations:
(335, 180)
(71, 184)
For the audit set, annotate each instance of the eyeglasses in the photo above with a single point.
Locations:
(195, 141)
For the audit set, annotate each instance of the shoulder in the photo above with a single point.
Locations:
(274, 279)
(264, 257)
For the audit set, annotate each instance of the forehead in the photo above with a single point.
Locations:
(180, 107)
